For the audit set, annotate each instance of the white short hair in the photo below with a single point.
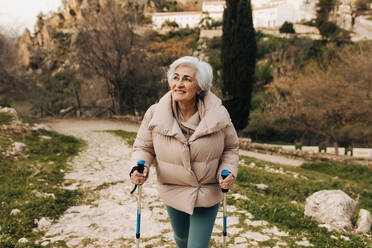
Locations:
(204, 71)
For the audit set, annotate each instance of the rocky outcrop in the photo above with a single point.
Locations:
(57, 20)
(45, 38)
(332, 207)
(73, 9)
(47, 31)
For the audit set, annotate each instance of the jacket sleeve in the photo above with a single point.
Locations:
(143, 147)
(230, 156)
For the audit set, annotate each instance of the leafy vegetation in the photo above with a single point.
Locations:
(173, 44)
(21, 178)
(5, 119)
(287, 28)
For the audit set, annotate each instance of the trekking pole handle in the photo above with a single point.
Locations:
(224, 174)
(140, 167)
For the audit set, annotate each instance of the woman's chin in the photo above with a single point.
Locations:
(178, 97)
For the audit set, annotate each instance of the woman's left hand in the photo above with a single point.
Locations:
(228, 182)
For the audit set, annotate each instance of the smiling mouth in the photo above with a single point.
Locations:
(179, 91)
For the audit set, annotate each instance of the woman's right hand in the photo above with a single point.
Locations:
(139, 178)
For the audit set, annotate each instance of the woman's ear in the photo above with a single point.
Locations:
(199, 91)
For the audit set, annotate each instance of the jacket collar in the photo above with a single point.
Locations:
(214, 119)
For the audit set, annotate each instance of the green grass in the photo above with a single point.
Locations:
(276, 207)
(43, 170)
(356, 173)
(5, 119)
(129, 137)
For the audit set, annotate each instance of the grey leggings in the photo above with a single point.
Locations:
(193, 231)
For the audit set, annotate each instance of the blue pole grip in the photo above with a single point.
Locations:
(141, 165)
(224, 174)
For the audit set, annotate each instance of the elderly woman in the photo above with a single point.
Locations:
(191, 135)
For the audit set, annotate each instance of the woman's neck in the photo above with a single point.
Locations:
(187, 109)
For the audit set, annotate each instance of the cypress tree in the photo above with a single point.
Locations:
(238, 55)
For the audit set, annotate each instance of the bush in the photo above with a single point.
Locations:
(169, 24)
(287, 28)
(332, 32)
(264, 74)
(328, 29)
(5, 119)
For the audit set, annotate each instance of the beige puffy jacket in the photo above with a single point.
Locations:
(187, 171)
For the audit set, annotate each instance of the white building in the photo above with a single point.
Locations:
(213, 6)
(183, 19)
(214, 9)
(279, 11)
(266, 13)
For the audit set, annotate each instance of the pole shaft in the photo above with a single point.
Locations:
(224, 220)
(138, 231)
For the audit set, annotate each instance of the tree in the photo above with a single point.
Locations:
(357, 8)
(238, 55)
(58, 92)
(324, 9)
(13, 79)
(287, 28)
(206, 21)
(333, 104)
(326, 22)
(107, 45)
(330, 31)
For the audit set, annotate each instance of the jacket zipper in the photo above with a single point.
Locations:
(191, 170)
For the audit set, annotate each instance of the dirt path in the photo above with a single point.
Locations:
(273, 158)
(106, 217)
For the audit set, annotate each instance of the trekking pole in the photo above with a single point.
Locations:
(140, 167)
(224, 174)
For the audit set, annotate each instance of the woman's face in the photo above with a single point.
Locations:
(184, 85)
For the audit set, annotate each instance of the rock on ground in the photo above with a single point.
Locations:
(19, 147)
(364, 222)
(10, 111)
(15, 212)
(332, 207)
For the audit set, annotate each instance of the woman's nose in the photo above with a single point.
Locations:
(179, 83)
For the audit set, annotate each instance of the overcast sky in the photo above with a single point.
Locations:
(16, 15)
